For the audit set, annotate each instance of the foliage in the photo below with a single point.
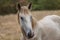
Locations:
(46, 4)
(7, 6)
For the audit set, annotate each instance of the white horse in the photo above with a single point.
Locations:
(47, 28)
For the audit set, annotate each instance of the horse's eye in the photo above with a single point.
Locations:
(22, 18)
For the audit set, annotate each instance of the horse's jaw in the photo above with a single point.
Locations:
(30, 38)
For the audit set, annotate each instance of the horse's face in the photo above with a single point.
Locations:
(25, 19)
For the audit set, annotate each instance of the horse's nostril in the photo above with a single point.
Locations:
(30, 35)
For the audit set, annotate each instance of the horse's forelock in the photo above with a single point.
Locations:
(24, 10)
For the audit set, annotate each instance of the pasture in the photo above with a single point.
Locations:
(9, 27)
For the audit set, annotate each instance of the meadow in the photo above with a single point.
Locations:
(10, 29)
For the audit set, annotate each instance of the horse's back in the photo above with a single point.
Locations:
(54, 18)
(51, 19)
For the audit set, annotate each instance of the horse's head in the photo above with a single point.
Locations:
(25, 20)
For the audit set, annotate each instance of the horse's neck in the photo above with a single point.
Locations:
(34, 22)
(37, 29)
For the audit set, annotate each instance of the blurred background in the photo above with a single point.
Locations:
(9, 6)
(9, 27)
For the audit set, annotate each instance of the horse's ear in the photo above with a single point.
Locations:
(19, 6)
(30, 5)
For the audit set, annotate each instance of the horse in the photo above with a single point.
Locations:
(47, 28)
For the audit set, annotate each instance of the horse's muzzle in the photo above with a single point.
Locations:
(30, 35)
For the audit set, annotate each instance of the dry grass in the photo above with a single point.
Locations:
(9, 27)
